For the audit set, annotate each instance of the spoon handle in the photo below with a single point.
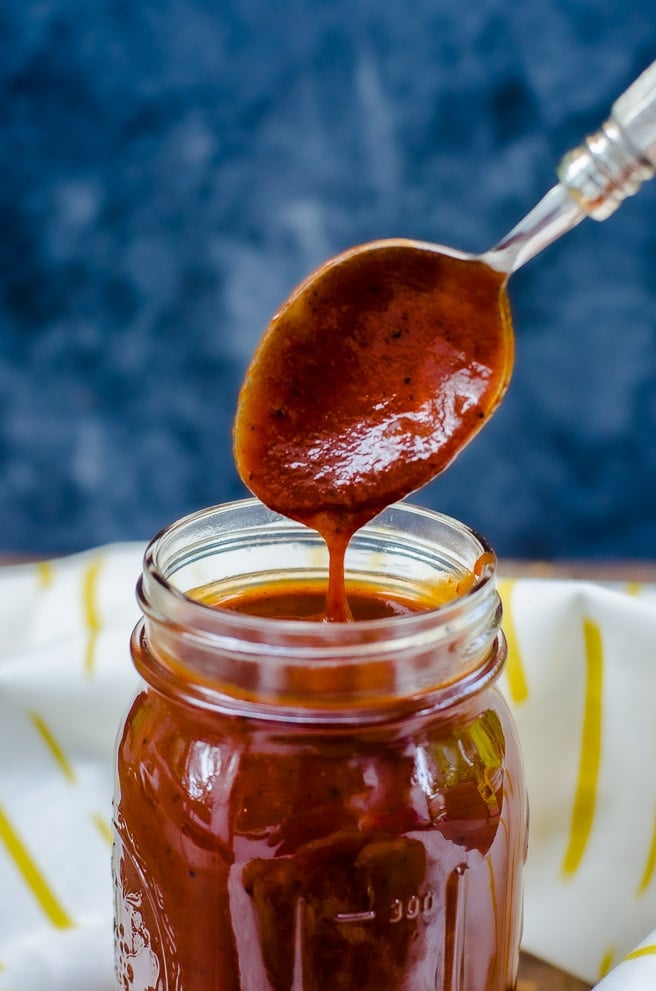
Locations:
(594, 178)
(613, 163)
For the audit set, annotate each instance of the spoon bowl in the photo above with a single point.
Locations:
(370, 378)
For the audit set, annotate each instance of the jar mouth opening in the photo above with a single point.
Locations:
(405, 546)
(219, 657)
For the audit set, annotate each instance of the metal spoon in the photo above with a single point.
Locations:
(385, 362)
(594, 177)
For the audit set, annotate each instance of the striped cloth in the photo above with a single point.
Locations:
(65, 682)
(581, 678)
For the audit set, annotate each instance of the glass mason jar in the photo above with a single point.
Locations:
(319, 806)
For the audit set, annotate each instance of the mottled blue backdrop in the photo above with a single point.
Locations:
(169, 171)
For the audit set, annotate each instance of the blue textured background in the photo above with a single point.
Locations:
(170, 170)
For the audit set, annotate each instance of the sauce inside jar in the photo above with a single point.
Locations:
(270, 856)
(304, 599)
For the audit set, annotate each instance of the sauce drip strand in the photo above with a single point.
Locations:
(371, 378)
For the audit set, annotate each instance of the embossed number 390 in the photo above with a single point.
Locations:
(414, 907)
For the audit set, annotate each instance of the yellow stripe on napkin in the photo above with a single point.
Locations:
(606, 962)
(32, 876)
(53, 746)
(91, 617)
(650, 866)
(517, 684)
(103, 827)
(585, 801)
(642, 951)
(45, 573)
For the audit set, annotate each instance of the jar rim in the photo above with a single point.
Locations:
(159, 595)
(221, 658)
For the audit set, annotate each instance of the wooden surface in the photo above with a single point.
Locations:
(535, 975)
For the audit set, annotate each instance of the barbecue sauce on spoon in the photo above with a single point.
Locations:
(370, 379)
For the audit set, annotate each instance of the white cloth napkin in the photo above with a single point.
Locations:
(581, 678)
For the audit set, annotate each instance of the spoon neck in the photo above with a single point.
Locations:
(595, 179)
(604, 170)
(555, 214)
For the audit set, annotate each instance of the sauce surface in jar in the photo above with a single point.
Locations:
(302, 599)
